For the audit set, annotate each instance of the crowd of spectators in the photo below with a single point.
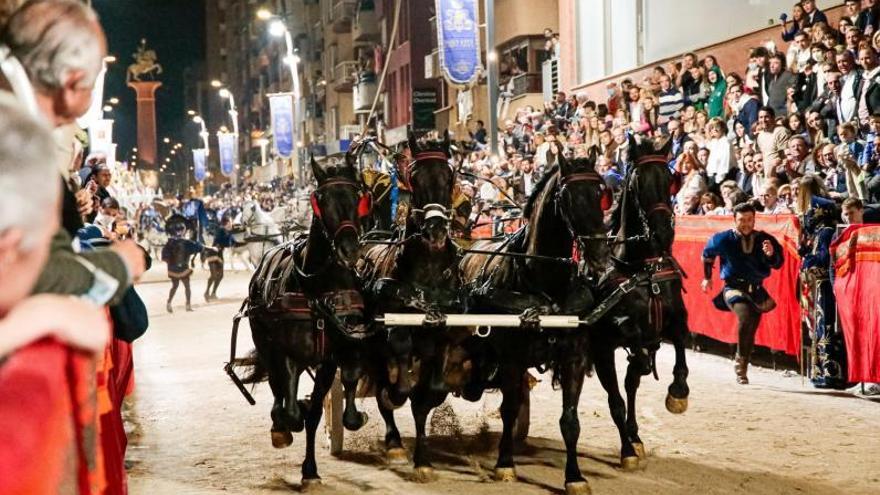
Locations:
(739, 134)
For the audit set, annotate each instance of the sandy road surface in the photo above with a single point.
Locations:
(194, 433)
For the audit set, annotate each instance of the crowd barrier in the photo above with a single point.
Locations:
(781, 328)
(856, 255)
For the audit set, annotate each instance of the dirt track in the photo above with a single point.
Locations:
(195, 434)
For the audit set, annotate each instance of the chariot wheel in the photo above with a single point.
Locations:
(333, 406)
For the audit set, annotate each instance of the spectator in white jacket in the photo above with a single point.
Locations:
(722, 156)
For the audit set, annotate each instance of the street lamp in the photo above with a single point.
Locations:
(166, 140)
(114, 101)
(233, 113)
(107, 109)
(216, 84)
(264, 14)
(191, 113)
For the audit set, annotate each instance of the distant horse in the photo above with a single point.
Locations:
(262, 231)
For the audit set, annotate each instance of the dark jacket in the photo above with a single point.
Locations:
(826, 105)
(872, 95)
(777, 88)
(749, 115)
(806, 91)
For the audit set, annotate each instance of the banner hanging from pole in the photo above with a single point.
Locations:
(101, 136)
(199, 170)
(458, 36)
(226, 143)
(281, 105)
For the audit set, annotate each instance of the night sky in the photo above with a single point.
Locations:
(176, 30)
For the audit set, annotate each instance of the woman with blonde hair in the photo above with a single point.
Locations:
(808, 186)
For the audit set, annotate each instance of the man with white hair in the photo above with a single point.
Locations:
(45, 448)
(51, 52)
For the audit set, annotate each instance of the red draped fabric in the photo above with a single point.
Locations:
(780, 329)
(48, 422)
(856, 255)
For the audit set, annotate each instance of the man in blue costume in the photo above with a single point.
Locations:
(193, 209)
(747, 257)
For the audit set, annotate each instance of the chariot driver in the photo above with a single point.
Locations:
(747, 257)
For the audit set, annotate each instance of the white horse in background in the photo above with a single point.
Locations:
(261, 231)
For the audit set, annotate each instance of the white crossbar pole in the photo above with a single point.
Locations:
(471, 320)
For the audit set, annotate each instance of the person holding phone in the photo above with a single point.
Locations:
(747, 258)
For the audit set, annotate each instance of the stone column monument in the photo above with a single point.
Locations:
(141, 78)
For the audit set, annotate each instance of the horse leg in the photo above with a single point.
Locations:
(605, 370)
(572, 382)
(323, 380)
(394, 451)
(352, 419)
(631, 384)
(677, 397)
(292, 410)
(281, 436)
(423, 399)
(174, 283)
(511, 389)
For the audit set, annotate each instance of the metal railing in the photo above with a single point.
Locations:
(345, 74)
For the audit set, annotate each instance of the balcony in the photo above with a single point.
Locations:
(344, 75)
(550, 77)
(341, 14)
(526, 83)
(366, 26)
(432, 65)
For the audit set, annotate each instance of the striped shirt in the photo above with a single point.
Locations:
(671, 103)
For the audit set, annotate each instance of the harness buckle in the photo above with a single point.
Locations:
(627, 286)
(320, 324)
(655, 288)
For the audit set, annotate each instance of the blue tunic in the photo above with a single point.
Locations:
(743, 273)
(177, 252)
(738, 265)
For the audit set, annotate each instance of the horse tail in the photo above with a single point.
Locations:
(252, 368)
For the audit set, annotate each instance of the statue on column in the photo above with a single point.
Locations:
(145, 64)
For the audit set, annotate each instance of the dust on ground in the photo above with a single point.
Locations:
(193, 433)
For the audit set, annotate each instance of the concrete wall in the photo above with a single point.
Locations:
(601, 40)
(518, 17)
(732, 55)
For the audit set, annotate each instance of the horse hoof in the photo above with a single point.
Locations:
(281, 439)
(506, 474)
(676, 406)
(358, 423)
(578, 488)
(629, 464)
(396, 456)
(425, 474)
(640, 450)
(311, 484)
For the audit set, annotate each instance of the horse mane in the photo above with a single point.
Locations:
(538, 191)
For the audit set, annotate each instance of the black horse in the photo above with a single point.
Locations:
(565, 215)
(306, 311)
(418, 274)
(644, 275)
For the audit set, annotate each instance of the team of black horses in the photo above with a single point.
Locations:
(316, 303)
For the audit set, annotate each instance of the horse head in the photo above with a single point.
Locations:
(339, 204)
(581, 199)
(432, 180)
(650, 184)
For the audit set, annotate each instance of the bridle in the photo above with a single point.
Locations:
(430, 210)
(365, 203)
(605, 202)
(631, 194)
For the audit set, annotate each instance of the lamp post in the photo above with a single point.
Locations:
(278, 28)
(233, 113)
(203, 133)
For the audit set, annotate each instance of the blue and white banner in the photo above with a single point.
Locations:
(226, 142)
(101, 136)
(458, 36)
(281, 105)
(199, 170)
